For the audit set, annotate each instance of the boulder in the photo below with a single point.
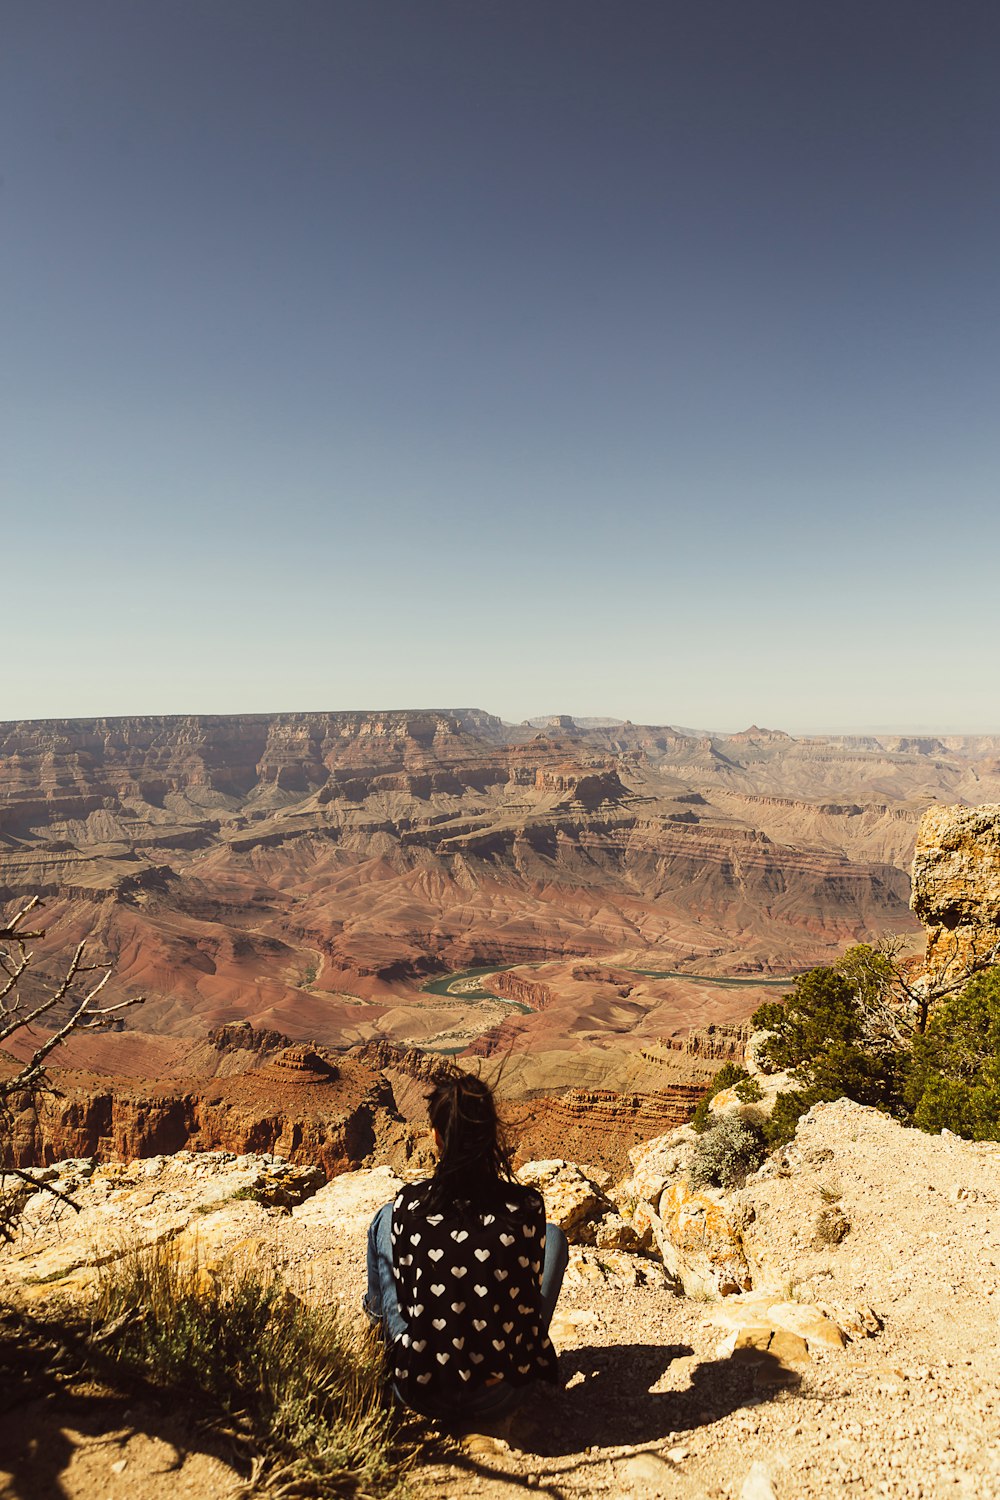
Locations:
(700, 1241)
(578, 1205)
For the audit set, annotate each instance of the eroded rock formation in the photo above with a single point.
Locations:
(309, 872)
(956, 883)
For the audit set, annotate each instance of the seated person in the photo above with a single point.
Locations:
(463, 1271)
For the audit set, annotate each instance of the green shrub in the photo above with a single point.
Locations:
(820, 1012)
(728, 1151)
(819, 1034)
(953, 1078)
(307, 1391)
(729, 1076)
(789, 1107)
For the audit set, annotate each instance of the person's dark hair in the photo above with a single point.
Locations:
(474, 1160)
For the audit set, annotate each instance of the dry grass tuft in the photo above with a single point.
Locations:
(305, 1392)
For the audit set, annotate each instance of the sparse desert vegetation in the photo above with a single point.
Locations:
(305, 1395)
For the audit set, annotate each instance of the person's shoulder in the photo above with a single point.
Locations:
(411, 1196)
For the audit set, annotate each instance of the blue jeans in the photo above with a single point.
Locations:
(381, 1303)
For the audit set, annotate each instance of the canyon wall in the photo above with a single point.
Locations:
(309, 872)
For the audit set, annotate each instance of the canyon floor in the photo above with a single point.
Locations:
(320, 874)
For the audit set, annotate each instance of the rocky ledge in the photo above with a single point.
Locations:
(828, 1329)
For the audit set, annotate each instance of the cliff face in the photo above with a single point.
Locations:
(297, 1107)
(956, 882)
(367, 1108)
(529, 992)
(598, 1126)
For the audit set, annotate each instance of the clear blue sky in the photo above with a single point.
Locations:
(619, 358)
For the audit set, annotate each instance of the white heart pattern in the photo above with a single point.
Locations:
(458, 1307)
(416, 1309)
(508, 1328)
(423, 1379)
(522, 1260)
(459, 1343)
(478, 1324)
(435, 1254)
(435, 1218)
(501, 1275)
(477, 1359)
(420, 1345)
(414, 1239)
(499, 1343)
(459, 1270)
(458, 1235)
(438, 1289)
(480, 1291)
(465, 1374)
(442, 1359)
(439, 1323)
(506, 1239)
(482, 1255)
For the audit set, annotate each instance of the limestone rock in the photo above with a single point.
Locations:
(612, 1232)
(655, 1164)
(808, 1323)
(699, 1241)
(352, 1199)
(209, 1200)
(578, 1205)
(856, 1321)
(615, 1268)
(646, 1472)
(757, 1485)
(956, 881)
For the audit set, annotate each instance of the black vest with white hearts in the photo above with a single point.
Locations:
(469, 1286)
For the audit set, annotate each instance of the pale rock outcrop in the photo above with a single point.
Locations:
(213, 1200)
(620, 1269)
(728, 1104)
(956, 882)
(699, 1242)
(578, 1204)
(654, 1164)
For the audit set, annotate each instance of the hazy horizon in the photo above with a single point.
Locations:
(515, 721)
(559, 352)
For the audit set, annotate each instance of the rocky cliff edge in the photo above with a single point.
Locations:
(829, 1329)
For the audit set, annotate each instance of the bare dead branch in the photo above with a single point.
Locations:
(85, 1012)
(32, 1070)
(34, 1182)
(20, 1021)
(15, 972)
(10, 933)
(94, 1020)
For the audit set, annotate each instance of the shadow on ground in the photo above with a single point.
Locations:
(62, 1427)
(610, 1403)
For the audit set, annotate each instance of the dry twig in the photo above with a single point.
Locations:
(15, 960)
